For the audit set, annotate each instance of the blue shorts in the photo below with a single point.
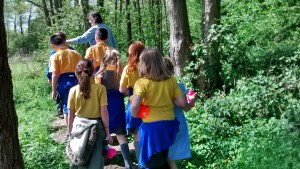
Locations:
(65, 82)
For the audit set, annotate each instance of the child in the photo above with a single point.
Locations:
(96, 52)
(156, 89)
(129, 76)
(181, 148)
(109, 76)
(87, 103)
(59, 102)
(62, 67)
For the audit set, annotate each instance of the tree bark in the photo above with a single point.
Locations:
(15, 24)
(46, 13)
(180, 38)
(128, 23)
(29, 18)
(211, 14)
(158, 25)
(10, 156)
(139, 18)
(85, 10)
(21, 24)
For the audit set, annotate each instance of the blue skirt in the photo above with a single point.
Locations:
(116, 110)
(181, 148)
(65, 82)
(131, 122)
(156, 137)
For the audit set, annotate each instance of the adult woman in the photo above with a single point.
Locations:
(95, 20)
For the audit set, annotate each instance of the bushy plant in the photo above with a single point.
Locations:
(256, 116)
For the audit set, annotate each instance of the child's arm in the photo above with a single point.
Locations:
(180, 101)
(124, 90)
(55, 77)
(105, 120)
(135, 105)
(87, 36)
(71, 116)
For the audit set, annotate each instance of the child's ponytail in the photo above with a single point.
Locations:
(84, 72)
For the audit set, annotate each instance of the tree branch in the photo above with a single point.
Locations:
(38, 5)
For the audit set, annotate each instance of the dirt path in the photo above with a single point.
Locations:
(60, 136)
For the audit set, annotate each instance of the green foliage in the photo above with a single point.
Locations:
(255, 125)
(35, 112)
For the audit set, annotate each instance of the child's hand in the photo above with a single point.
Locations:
(54, 95)
(109, 139)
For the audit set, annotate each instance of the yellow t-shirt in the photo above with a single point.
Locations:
(97, 53)
(128, 79)
(64, 61)
(158, 96)
(91, 107)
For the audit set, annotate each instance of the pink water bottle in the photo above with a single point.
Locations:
(189, 94)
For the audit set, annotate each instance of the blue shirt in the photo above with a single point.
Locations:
(48, 74)
(89, 36)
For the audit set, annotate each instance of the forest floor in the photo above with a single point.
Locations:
(60, 136)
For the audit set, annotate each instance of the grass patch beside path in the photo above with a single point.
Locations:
(35, 112)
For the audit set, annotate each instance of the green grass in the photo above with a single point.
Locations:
(35, 112)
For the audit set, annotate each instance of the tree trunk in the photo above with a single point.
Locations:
(46, 13)
(139, 18)
(15, 24)
(56, 6)
(10, 156)
(29, 18)
(211, 15)
(180, 38)
(128, 23)
(21, 24)
(52, 12)
(116, 14)
(158, 25)
(85, 10)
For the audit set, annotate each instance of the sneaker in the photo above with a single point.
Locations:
(59, 110)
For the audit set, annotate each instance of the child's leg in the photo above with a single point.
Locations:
(137, 145)
(159, 160)
(66, 118)
(172, 164)
(125, 150)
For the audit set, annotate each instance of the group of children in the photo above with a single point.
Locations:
(92, 91)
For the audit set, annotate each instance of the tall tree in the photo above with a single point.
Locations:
(10, 156)
(45, 10)
(128, 22)
(180, 38)
(211, 15)
(158, 25)
(137, 7)
(85, 10)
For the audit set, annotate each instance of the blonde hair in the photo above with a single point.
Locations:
(111, 57)
(151, 65)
